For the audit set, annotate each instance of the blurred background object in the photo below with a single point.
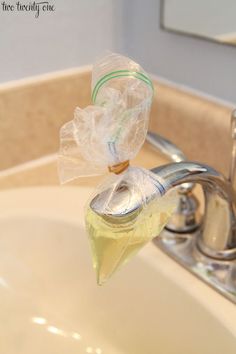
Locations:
(210, 19)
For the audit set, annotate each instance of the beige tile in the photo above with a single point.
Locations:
(33, 110)
(199, 127)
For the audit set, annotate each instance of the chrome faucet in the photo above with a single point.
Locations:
(217, 236)
(217, 228)
(186, 217)
(206, 246)
(209, 251)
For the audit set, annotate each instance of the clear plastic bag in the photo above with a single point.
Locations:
(114, 128)
(123, 215)
(106, 135)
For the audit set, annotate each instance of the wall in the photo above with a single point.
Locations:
(73, 35)
(80, 30)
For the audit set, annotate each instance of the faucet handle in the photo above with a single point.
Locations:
(186, 217)
(172, 152)
(166, 147)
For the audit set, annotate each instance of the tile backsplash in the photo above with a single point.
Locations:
(33, 110)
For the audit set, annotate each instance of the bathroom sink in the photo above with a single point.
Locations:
(50, 303)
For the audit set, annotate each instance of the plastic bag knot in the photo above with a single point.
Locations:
(119, 167)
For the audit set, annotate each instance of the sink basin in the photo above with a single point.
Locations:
(50, 303)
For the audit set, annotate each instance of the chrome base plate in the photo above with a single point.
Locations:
(220, 275)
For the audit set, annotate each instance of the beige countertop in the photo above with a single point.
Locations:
(44, 171)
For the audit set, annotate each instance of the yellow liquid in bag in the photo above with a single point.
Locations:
(114, 240)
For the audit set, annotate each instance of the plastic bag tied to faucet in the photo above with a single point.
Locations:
(106, 136)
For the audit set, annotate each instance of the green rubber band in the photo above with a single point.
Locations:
(119, 73)
(129, 72)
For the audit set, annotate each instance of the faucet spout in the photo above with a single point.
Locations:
(217, 235)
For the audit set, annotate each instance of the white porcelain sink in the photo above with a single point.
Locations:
(50, 303)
